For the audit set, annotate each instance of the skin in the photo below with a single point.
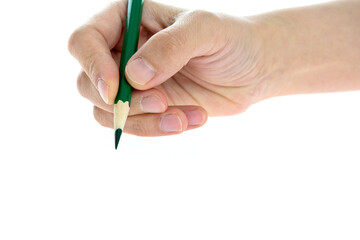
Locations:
(205, 64)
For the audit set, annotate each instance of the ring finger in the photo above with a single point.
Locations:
(173, 121)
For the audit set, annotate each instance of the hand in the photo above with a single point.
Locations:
(191, 64)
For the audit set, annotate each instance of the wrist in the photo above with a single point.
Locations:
(271, 32)
(311, 49)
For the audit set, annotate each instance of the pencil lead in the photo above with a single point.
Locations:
(118, 133)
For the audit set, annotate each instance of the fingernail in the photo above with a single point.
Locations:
(103, 90)
(139, 71)
(170, 123)
(152, 104)
(194, 118)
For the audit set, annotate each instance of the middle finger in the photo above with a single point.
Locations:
(148, 101)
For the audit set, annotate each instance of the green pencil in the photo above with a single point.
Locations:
(130, 44)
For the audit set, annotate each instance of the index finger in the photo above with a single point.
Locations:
(91, 45)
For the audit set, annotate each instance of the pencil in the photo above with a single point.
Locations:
(130, 44)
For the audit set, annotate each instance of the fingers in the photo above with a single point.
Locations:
(175, 39)
(157, 16)
(149, 101)
(92, 43)
(167, 51)
(91, 50)
(174, 121)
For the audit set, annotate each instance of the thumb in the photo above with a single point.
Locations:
(170, 49)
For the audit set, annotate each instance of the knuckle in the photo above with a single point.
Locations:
(80, 83)
(90, 64)
(241, 107)
(100, 117)
(172, 42)
(120, 4)
(96, 115)
(198, 14)
(201, 25)
(203, 17)
(74, 39)
(243, 101)
(84, 38)
(137, 127)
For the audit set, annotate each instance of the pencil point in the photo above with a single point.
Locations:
(118, 133)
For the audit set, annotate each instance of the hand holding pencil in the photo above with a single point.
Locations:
(129, 47)
(191, 64)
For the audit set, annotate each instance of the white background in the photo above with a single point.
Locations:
(288, 168)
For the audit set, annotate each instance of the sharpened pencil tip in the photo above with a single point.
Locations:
(118, 133)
